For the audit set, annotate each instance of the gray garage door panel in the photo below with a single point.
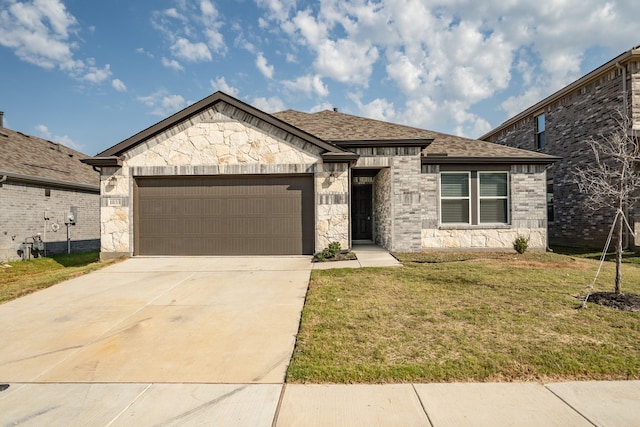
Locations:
(239, 215)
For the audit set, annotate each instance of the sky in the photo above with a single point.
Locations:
(89, 74)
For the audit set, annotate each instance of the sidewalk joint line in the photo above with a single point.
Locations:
(278, 406)
(570, 406)
(422, 404)
(129, 405)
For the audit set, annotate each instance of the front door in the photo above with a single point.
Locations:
(361, 212)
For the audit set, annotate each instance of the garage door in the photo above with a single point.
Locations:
(235, 215)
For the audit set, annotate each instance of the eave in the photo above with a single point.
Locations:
(448, 160)
(340, 157)
(109, 161)
(12, 177)
(421, 143)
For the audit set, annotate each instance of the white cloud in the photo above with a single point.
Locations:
(309, 85)
(44, 132)
(220, 84)
(279, 9)
(439, 60)
(172, 63)
(193, 31)
(162, 103)
(379, 109)
(192, 52)
(346, 61)
(96, 75)
(119, 85)
(270, 105)
(39, 32)
(263, 66)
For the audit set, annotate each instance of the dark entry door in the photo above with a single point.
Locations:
(361, 212)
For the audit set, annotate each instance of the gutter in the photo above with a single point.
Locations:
(51, 182)
(444, 159)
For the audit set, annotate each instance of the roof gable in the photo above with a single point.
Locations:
(31, 158)
(206, 103)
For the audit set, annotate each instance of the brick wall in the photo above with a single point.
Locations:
(406, 204)
(587, 112)
(22, 216)
(527, 214)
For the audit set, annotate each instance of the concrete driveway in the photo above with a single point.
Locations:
(159, 320)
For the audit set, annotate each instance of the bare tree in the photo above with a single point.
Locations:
(613, 179)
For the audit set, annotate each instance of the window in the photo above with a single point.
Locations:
(474, 197)
(540, 131)
(494, 197)
(550, 200)
(454, 198)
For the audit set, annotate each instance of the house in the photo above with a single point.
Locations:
(560, 124)
(41, 183)
(224, 178)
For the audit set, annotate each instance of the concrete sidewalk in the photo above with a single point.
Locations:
(605, 404)
(368, 256)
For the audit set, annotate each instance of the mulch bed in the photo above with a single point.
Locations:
(624, 302)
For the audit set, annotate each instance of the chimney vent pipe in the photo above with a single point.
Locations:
(1, 119)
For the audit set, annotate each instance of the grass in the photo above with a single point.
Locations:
(25, 277)
(465, 317)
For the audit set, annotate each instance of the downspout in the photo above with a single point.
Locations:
(625, 101)
(625, 104)
(3, 179)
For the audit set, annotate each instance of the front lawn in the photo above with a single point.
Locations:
(466, 317)
(25, 277)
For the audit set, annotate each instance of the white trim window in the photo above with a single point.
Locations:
(455, 195)
(493, 197)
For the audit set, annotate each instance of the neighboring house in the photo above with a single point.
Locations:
(41, 182)
(224, 178)
(560, 124)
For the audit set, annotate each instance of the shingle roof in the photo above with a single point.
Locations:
(31, 157)
(336, 127)
(472, 149)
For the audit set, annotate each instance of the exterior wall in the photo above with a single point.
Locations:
(397, 195)
(218, 141)
(527, 214)
(588, 112)
(22, 216)
(406, 204)
(382, 218)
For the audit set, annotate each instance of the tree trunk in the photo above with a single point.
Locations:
(619, 257)
(619, 253)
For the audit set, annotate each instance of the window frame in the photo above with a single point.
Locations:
(468, 197)
(505, 197)
(474, 197)
(541, 140)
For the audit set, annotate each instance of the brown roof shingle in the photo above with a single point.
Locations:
(39, 159)
(335, 127)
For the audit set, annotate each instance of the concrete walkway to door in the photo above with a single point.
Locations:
(159, 320)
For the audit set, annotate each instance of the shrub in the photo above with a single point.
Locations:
(330, 251)
(521, 244)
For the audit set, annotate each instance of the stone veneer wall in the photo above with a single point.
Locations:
(527, 211)
(222, 140)
(587, 112)
(382, 208)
